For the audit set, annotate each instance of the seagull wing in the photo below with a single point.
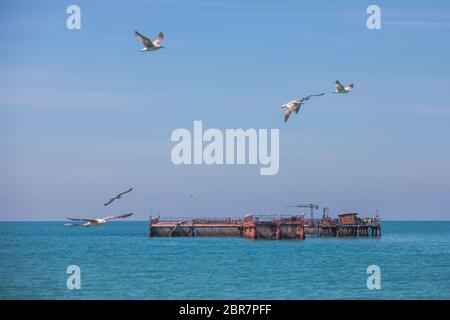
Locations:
(82, 219)
(158, 39)
(313, 95)
(287, 115)
(118, 217)
(144, 40)
(109, 202)
(120, 194)
(339, 86)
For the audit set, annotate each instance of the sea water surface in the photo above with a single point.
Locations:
(119, 261)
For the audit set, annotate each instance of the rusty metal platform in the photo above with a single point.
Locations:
(251, 227)
(268, 227)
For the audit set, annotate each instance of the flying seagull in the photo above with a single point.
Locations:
(148, 44)
(295, 105)
(117, 197)
(94, 222)
(341, 89)
(192, 197)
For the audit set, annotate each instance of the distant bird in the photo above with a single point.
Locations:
(94, 222)
(148, 44)
(341, 89)
(295, 105)
(117, 197)
(192, 197)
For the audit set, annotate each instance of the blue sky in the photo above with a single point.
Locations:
(84, 114)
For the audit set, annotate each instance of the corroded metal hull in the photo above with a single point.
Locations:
(250, 227)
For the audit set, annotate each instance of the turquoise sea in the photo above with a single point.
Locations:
(119, 261)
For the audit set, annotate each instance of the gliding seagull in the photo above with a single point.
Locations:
(341, 89)
(148, 44)
(117, 197)
(94, 222)
(295, 105)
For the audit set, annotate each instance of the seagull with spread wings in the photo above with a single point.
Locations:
(148, 44)
(117, 197)
(94, 222)
(295, 105)
(340, 88)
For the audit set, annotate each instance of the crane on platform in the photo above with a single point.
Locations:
(311, 207)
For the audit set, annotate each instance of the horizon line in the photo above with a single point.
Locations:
(391, 220)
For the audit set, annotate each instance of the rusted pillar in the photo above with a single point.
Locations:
(277, 233)
(300, 233)
(150, 227)
(249, 232)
